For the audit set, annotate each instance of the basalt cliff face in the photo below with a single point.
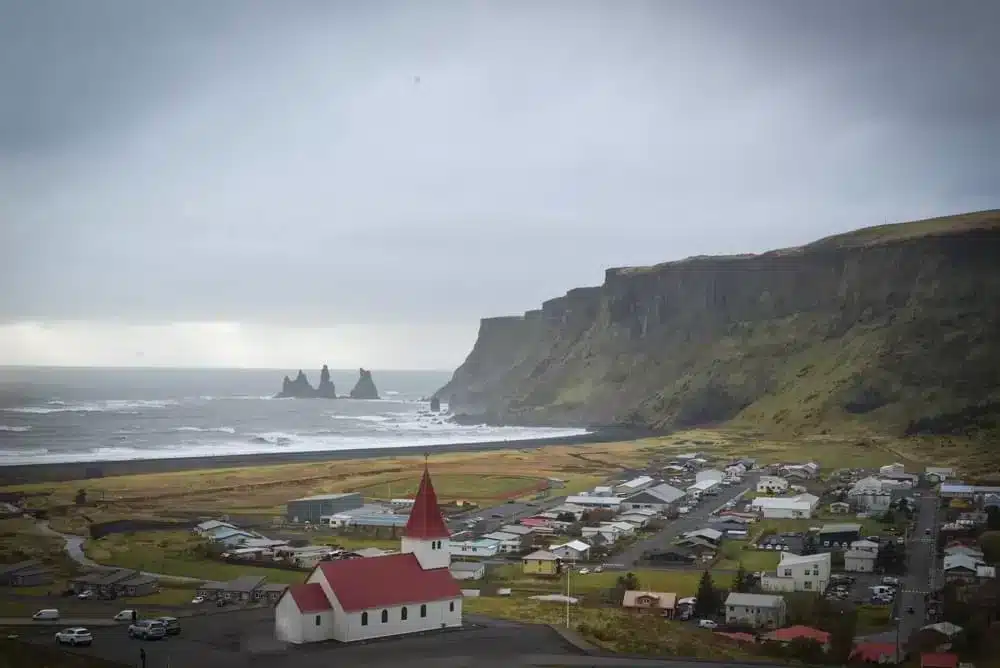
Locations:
(896, 328)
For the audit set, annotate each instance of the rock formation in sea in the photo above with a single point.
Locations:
(326, 389)
(296, 389)
(365, 387)
(891, 328)
(435, 404)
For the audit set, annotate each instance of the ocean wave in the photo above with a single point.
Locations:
(18, 430)
(125, 406)
(362, 418)
(221, 430)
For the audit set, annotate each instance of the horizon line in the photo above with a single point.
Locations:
(209, 368)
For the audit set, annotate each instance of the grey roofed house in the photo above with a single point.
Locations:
(660, 494)
(466, 566)
(245, 583)
(517, 529)
(755, 600)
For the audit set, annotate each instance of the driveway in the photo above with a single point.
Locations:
(695, 519)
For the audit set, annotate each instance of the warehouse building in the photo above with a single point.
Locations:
(313, 508)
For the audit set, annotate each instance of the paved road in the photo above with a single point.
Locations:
(696, 519)
(921, 577)
(55, 625)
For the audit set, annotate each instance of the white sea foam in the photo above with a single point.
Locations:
(221, 430)
(19, 430)
(362, 418)
(131, 407)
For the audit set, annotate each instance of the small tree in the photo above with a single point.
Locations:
(741, 582)
(707, 603)
(842, 636)
(81, 497)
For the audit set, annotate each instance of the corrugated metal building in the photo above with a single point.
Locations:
(312, 508)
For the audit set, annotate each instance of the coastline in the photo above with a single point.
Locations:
(22, 474)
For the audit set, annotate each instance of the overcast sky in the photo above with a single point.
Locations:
(279, 184)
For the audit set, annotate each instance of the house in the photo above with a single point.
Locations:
(467, 570)
(871, 495)
(807, 572)
(634, 485)
(587, 501)
(890, 469)
(756, 610)
(269, 592)
(516, 529)
(790, 633)
(211, 525)
(360, 599)
(25, 574)
(865, 545)
(859, 561)
(506, 542)
(960, 568)
(659, 498)
(541, 562)
(837, 536)
(637, 521)
(807, 471)
(701, 540)
(663, 603)
(312, 509)
(240, 590)
(984, 572)
(114, 583)
(839, 508)
(937, 474)
(876, 652)
(604, 491)
(608, 535)
(703, 487)
(782, 507)
(575, 550)
(967, 550)
(771, 484)
(709, 474)
(938, 660)
(623, 528)
(482, 547)
(234, 537)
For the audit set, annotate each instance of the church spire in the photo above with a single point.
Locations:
(425, 517)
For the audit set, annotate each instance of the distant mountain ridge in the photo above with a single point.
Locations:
(894, 328)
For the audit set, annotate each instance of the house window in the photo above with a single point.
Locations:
(451, 606)
(364, 619)
(317, 620)
(808, 584)
(788, 572)
(423, 609)
(385, 616)
(403, 613)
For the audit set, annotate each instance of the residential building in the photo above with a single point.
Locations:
(541, 562)
(663, 603)
(872, 495)
(670, 556)
(937, 474)
(859, 561)
(481, 547)
(967, 550)
(269, 592)
(634, 485)
(658, 498)
(790, 633)
(604, 491)
(623, 528)
(517, 529)
(608, 534)
(467, 570)
(890, 469)
(771, 484)
(506, 542)
(637, 521)
(28, 573)
(710, 474)
(234, 537)
(587, 501)
(840, 508)
(807, 572)
(837, 536)
(575, 550)
(961, 568)
(114, 583)
(312, 508)
(756, 610)
(783, 507)
(808, 471)
(360, 599)
(240, 590)
(865, 546)
(702, 487)
(210, 525)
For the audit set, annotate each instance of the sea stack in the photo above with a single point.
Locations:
(326, 389)
(435, 404)
(365, 387)
(296, 389)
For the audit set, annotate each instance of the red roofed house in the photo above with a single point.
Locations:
(375, 597)
(938, 660)
(790, 633)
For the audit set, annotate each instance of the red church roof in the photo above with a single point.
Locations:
(309, 597)
(425, 516)
(395, 579)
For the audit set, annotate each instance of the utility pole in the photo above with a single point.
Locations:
(568, 571)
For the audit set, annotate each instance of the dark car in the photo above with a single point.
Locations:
(173, 626)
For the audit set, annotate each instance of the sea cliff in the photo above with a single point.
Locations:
(894, 327)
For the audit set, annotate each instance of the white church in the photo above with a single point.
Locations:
(375, 597)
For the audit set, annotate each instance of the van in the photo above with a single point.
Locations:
(46, 615)
(126, 616)
(882, 590)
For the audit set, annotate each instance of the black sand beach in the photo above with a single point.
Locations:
(58, 472)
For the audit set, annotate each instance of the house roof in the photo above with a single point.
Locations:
(860, 554)
(502, 536)
(710, 534)
(788, 558)
(208, 525)
(938, 660)
(425, 516)
(662, 493)
(541, 555)
(667, 601)
(952, 561)
(873, 651)
(516, 529)
(577, 545)
(309, 597)
(636, 483)
(792, 632)
(754, 600)
(394, 579)
(789, 503)
(840, 528)
(245, 583)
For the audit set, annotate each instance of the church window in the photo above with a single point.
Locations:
(451, 606)
(317, 620)
(423, 609)
(364, 619)
(385, 616)
(403, 613)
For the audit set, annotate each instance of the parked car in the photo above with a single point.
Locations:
(583, 571)
(84, 595)
(891, 581)
(74, 636)
(173, 626)
(198, 599)
(46, 614)
(126, 616)
(707, 624)
(147, 629)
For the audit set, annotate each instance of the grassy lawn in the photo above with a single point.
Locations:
(734, 554)
(475, 487)
(174, 553)
(20, 541)
(613, 628)
(681, 582)
(874, 618)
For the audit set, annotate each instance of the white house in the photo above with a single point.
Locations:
(575, 550)
(211, 525)
(709, 474)
(506, 542)
(604, 491)
(937, 474)
(771, 507)
(636, 520)
(634, 485)
(872, 495)
(865, 546)
(807, 572)
(475, 548)
(607, 535)
(658, 498)
(587, 501)
(890, 469)
(359, 599)
(624, 528)
(702, 487)
(772, 484)
(757, 610)
(860, 561)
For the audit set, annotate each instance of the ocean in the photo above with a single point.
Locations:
(50, 415)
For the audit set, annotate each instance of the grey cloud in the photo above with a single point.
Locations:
(276, 162)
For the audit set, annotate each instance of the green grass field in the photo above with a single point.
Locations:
(683, 583)
(477, 487)
(734, 555)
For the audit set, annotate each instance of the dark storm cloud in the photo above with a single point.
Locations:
(279, 162)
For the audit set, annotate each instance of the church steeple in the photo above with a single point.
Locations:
(426, 535)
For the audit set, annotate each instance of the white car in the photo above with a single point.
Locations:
(198, 599)
(599, 569)
(83, 595)
(707, 624)
(126, 616)
(583, 571)
(74, 636)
